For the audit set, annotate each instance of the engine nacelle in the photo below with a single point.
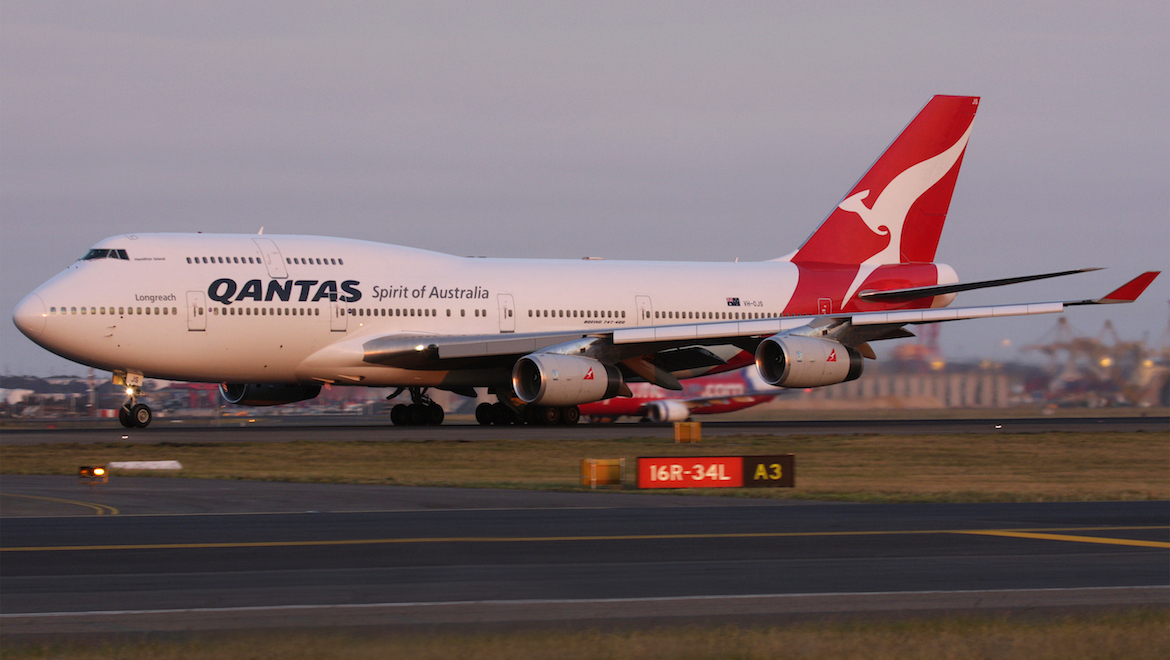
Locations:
(791, 361)
(564, 380)
(667, 410)
(267, 395)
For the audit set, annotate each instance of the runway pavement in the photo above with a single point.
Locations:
(377, 429)
(177, 554)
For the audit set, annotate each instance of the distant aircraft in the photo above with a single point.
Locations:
(274, 318)
(708, 395)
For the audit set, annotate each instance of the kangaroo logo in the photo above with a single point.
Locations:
(887, 214)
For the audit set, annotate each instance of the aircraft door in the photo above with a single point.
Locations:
(645, 310)
(338, 316)
(507, 312)
(824, 306)
(196, 312)
(272, 259)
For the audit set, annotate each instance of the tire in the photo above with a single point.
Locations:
(435, 414)
(398, 415)
(550, 415)
(484, 414)
(416, 414)
(570, 415)
(124, 418)
(140, 416)
(501, 415)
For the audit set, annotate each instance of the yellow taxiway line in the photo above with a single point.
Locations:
(1070, 537)
(1044, 533)
(99, 509)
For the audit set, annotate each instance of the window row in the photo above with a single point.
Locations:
(121, 310)
(382, 311)
(223, 260)
(577, 313)
(311, 261)
(302, 261)
(730, 316)
(236, 310)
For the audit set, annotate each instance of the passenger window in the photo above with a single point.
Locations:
(188, 259)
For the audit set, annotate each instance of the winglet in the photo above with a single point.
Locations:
(1130, 291)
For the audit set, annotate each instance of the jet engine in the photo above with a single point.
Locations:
(549, 379)
(266, 394)
(667, 410)
(792, 361)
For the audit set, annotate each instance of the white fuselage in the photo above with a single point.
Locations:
(284, 309)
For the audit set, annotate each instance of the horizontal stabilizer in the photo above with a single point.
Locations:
(902, 295)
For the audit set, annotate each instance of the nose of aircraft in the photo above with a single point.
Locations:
(30, 316)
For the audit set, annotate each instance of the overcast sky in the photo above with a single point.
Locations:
(664, 131)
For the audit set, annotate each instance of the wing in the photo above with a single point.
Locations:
(661, 354)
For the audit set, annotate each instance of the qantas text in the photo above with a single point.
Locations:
(225, 290)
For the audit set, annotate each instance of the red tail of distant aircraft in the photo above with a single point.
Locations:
(274, 318)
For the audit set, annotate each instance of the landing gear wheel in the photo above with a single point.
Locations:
(416, 414)
(398, 415)
(140, 416)
(570, 415)
(549, 415)
(484, 414)
(124, 418)
(502, 415)
(434, 414)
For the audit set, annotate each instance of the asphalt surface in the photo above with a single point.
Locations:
(375, 429)
(144, 554)
(384, 555)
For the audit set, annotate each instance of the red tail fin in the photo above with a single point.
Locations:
(895, 213)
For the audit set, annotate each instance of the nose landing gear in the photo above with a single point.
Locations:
(134, 415)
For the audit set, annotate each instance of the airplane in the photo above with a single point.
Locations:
(272, 319)
(706, 395)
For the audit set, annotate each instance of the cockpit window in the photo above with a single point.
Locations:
(102, 253)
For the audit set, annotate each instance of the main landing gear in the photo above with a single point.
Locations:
(422, 411)
(134, 415)
(501, 414)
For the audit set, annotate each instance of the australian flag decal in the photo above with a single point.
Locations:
(733, 302)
